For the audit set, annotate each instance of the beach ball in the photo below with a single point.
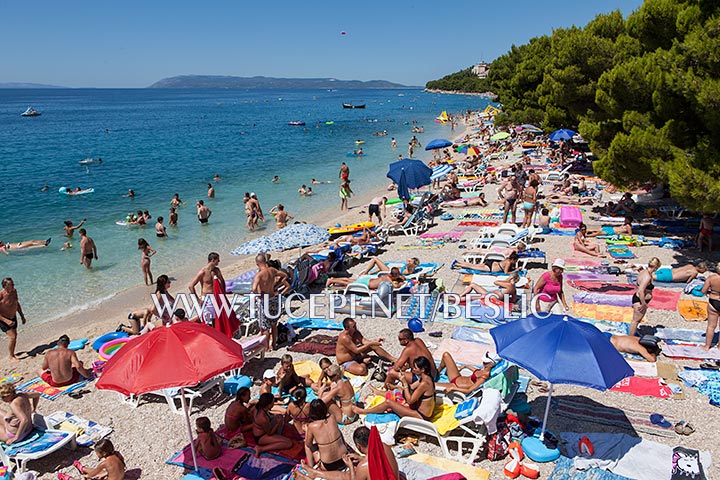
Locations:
(415, 325)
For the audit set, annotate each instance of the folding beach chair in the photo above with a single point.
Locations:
(43, 441)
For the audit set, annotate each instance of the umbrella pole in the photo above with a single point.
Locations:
(189, 428)
(547, 411)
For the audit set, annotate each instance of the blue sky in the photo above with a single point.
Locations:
(134, 43)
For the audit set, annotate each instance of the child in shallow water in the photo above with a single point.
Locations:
(111, 466)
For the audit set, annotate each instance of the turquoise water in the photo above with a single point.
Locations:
(159, 142)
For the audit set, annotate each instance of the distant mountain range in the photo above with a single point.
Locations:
(26, 85)
(219, 81)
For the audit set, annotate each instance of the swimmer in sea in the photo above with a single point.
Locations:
(6, 247)
(203, 212)
(70, 228)
(176, 202)
(45, 188)
(130, 194)
(173, 217)
(66, 246)
(318, 182)
(309, 192)
(211, 191)
(160, 229)
(275, 179)
(216, 178)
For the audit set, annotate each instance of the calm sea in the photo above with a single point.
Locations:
(159, 142)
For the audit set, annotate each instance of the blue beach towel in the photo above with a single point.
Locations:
(38, 441)
(314, 324)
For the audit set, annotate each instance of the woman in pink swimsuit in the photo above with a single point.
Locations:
(548, 289)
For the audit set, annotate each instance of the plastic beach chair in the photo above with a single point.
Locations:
(17, 462)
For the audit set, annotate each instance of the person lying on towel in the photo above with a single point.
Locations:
(646, 346)
(61, 366)
(684, 274)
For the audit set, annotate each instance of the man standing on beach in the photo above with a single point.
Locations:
(205, 278)
(9, 309)
(88, 250)
(267, 310)
(61, 366)
(377, 207)
(203, 212)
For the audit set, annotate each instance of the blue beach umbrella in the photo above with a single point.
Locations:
(438, 143)
(402, 188)
(416, 173)
(441, 171)
(562, 134)
(559, 349)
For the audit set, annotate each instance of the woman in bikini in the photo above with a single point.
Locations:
(298, 410)
(339, 396)
(712, 289)
(207, 443)
(324, 444)
(238, 417)
(529, 202)
(582, 244)
(643, 293)
(495, 266)
(460, 383)
(267, 428)
(419, 394)
(508, 191)
(145, 253)
(16, 424)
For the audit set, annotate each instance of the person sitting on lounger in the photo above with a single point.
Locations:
(372, 283)
(352, 348)
(625, 229)
(403, 219)
(505, 288)
(238, 417)
(460, 383)
(267, 428)
(358, 464)
(413, 348)
(415, 399)
(61, 366)
(324, 443)
(495, 266)
(207, 443)
(367, 236)
(410, 265)
(339, 396)
(581, 244)
(684, 274)
(16, 424)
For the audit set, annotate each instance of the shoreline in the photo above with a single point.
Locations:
(104, 314)
(486, 95)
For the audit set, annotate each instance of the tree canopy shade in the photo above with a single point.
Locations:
(644, 91)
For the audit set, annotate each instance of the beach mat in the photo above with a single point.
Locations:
(620, 251)
(590, 277)
(603, 312)
(603, 293)
(692, 310)
(314, 324)
(643, 387)
(38, 385)
(465, 353)
(681, 335)
(448, 465)
(87, 431)
(565, 470)
(691, 352)
(228, 460)
(322, 344)
(454, 235)
(584, 410)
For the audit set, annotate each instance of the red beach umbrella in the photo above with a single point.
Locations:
(179, 355)
(224, 323)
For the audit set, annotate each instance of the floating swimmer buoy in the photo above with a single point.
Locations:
(109, 348)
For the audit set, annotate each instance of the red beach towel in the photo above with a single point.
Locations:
(378, 464)
(643, 387)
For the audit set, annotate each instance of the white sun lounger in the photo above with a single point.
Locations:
(18, 462)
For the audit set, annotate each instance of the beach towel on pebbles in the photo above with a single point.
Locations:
(603, 312)
(322, 344)
(643, 387)
(690, 351)
(565, 470)
(707, 382)
(628, 456)
(465, 353)
(38, 385)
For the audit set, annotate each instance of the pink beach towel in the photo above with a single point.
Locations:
(455, 235)
(229, 458)
(465, 353)
(692, 352)
(663, 299)
(583, 262)
(643, 387)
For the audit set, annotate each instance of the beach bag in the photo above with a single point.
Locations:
(497, 445)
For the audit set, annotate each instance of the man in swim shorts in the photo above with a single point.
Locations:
(88, 250)
(684, 274)
(352, 348)
(375, 207)
(61, 366)
(266, 300)
(203, 212)
(412, 349)
(205, 278)
(9, 310)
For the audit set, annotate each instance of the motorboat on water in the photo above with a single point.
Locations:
(30, 112)
(350, 105)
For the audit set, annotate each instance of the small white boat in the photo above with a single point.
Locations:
(30, 112)
(87, 161)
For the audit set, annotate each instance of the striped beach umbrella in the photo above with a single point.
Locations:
(441, 171)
